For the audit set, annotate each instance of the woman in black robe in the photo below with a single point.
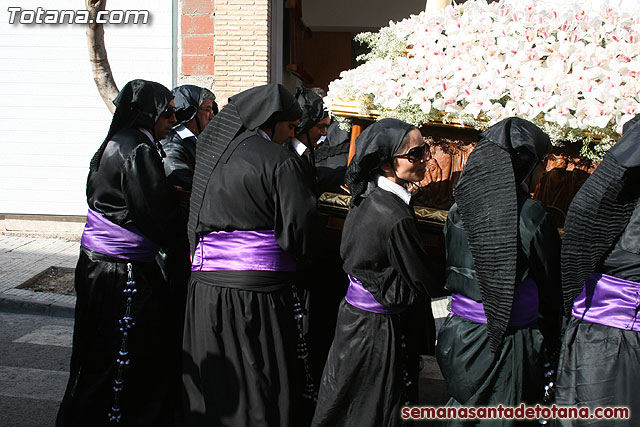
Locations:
(332, 158)
(252, 224)
(600, 357)
(366, 376)
(503, 271)
(123, 338)
(195, 107)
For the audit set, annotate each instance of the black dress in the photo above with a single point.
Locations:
(325, 284)
(129, 189)
(175, 261)
(308, 169)
(515, 373)
(240, 362)
(180, 160)
(599, 364)
(179, 164)
(332, 158)
(366, 376)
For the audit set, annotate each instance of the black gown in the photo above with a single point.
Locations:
(239, 360)
(332, 158)
(325, 284)
(308, 169)
(129, 189)
(175, 261)
(180, 160)
(515, 373)
(179, 164)
(599, 364)
(366, 376)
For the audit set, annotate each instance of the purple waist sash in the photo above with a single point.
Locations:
(103, 236)
(524, 309)
(241, 250)
(361, 298)
(608, 300)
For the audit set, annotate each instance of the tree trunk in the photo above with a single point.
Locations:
(98, 55)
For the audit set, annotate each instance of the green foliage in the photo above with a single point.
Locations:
(383, 44)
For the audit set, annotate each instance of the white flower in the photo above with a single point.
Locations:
(496, 112)
(629, 108)
(562, 112)
(600, 114)
(421, 98)
(565, 65)
(476, 102)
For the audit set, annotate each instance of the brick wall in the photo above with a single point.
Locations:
(224, 44)
(242, 45)
(196, 42)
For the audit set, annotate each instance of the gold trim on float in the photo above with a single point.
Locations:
(350, 108)
(338, 205)
(429, 219)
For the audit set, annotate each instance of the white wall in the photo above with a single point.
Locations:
(52, 119)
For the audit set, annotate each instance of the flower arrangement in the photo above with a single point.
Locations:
(573, 70)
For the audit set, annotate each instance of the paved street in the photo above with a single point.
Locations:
(34, 367)
(35, 347)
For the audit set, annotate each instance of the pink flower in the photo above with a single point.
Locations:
(628, 107)
(573, 64)
(581, 16)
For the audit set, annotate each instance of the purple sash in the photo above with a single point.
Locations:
(608, 300)
(241, 250)
(361, 298)
(524, 309)
(103, 236)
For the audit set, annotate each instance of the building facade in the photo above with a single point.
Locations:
(52, 118)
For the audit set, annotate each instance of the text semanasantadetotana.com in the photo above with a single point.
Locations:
(522, 412)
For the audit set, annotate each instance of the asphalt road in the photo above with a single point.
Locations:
(34, 368)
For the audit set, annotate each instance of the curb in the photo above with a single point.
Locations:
(19, 305)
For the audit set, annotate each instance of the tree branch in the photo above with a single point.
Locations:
(102, 75)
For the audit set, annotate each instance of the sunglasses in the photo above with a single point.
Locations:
(168, 112)
(415, 154)
(208, 111)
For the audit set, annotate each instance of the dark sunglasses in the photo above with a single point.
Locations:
(415, 154)
(168, 112)
(208, 111)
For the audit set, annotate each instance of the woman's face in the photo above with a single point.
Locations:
(411, 165)
(165, 122)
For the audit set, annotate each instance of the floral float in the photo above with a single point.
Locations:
(571, 67)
